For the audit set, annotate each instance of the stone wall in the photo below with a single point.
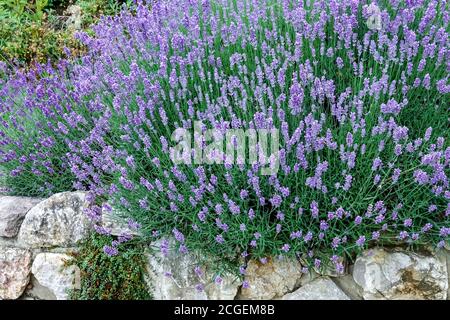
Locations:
(38, 235)
(36, 239)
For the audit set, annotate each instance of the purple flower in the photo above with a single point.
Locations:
(376, 179)
(276, 200)
(219, 239)
(110, 251)
(375, 235)
(407, 222)
(198, 271)
(444, 232)
(308, 237)
(296, 235)
(251, 214)
(361, 240)
(403, 235)
(421, 177)
(427, 227)
(323, 225)
(428, 134)
(178, 235)
(396, 175)
(199, 287)
(317, 263)
(314, 209)
(278, 228)
(244, 194)
(339, 62)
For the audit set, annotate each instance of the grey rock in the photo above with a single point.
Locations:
(15, 267)
(349, 286)
(116, 225)
(12, 213)
(38, 291)
(272, 279)
(58, 221)
(74, 20)
(319, 289)
(401, 275)
(173, 277)
(54, 276)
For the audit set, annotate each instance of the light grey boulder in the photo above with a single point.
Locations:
(319, 289)
(272, 279)
(74, 20)
(401, 275)
(173, 277)
(53, 277)
(59, 221)
(116, 225)
(12, 213)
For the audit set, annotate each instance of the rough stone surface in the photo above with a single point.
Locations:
(115, 225)
(53, 277)
(74, 20)
(15, 266)
(349, 286)
(56, 221)
(319, 289)
(35, 291)
(307, 277)
(272, 279)
(12, 213)
(446, 253)
(401, 275)
(172, 276)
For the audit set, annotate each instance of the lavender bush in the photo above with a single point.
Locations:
(358, 91)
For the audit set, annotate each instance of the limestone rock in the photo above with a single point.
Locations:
(349, 286)
(116, 225)
(12, 213)
(401, 275)
(57, 221)
(53, 276)
(15, 266)
(75, 19)
(273, 279)
(36, 291)
(445, 254)
(319, 289)
(172, 276)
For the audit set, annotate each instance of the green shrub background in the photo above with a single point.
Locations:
(35, 31)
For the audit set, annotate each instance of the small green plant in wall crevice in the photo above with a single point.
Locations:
(103, 277)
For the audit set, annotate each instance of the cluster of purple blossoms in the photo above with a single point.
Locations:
(356, 162)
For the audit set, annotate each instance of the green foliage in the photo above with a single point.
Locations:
(93, 9)
(34, 31)
(110, 278)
